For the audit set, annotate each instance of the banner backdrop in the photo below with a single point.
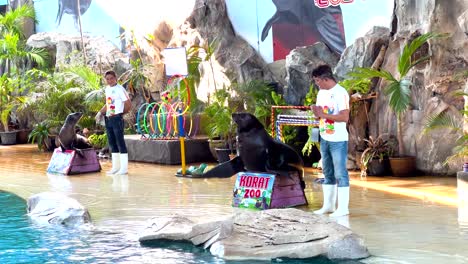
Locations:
(272, 27)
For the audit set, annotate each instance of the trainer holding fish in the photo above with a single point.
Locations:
(117, 104)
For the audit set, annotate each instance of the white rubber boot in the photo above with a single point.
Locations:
(343, 202)
(329, 199)
(123, 164)
(115, 163)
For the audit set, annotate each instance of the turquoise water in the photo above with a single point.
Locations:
(22, 241)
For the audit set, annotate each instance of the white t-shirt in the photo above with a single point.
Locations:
(115, 98)
(333, 101)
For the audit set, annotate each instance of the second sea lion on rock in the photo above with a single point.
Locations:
(68, 138)
(258, 152)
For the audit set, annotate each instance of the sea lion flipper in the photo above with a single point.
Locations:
(268, 25)
(79, 152)
(330, 33)
(226, 169)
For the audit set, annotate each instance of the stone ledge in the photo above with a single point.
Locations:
(260, 235)
(167, 151)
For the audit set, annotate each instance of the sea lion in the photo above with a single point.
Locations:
(68, 138)
(258, 151)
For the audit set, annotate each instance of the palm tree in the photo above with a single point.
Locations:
(12, 22)
(444, 120)
(14, 54)
(398, 88)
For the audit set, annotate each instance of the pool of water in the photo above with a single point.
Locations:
(22, 241)
(397, 229)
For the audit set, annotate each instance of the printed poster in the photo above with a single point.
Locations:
(253, 190)
(61, 161)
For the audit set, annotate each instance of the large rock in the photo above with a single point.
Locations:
(102, 55)
(233, 59)
(57, 209)
(362, 53)
(262, 235)
(299, 65)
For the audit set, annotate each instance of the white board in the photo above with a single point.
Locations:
(175, 60)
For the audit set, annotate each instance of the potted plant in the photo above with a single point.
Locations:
(41, 135)
(8, 103)
(219, 123)
(398, 91)
(374, 158)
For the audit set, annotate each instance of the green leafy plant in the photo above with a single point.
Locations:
(9, 99)
(356, 85)
(74, 89)
(98, 141)
(255, 97)
(398, 88)
(289, 132)
(310, 99)
(376, 148)
(40, 134)
(14, 58)
(136, 78)
(445, 121)
(219, 117)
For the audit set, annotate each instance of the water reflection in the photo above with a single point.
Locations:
(397, 228)
(120, 183)
(59, 183)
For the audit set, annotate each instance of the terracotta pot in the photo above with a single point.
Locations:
(22, 136)
(403, 166)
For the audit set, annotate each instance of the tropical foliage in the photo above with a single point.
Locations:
(444, 120)
(254, 97)
(218, 115)
(398, 87)
(15, 57)
(75, 89)
(376, 148)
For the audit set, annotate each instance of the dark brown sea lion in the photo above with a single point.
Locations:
(68, 138)
(258, 152)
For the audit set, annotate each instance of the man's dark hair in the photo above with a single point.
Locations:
(110, 73)
(324, 72)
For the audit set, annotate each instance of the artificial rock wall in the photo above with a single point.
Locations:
(433, 81)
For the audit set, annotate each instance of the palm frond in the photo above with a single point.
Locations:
(399, 96)
(405, 63)
(369, 73)
(13, 20)
(441, 120)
